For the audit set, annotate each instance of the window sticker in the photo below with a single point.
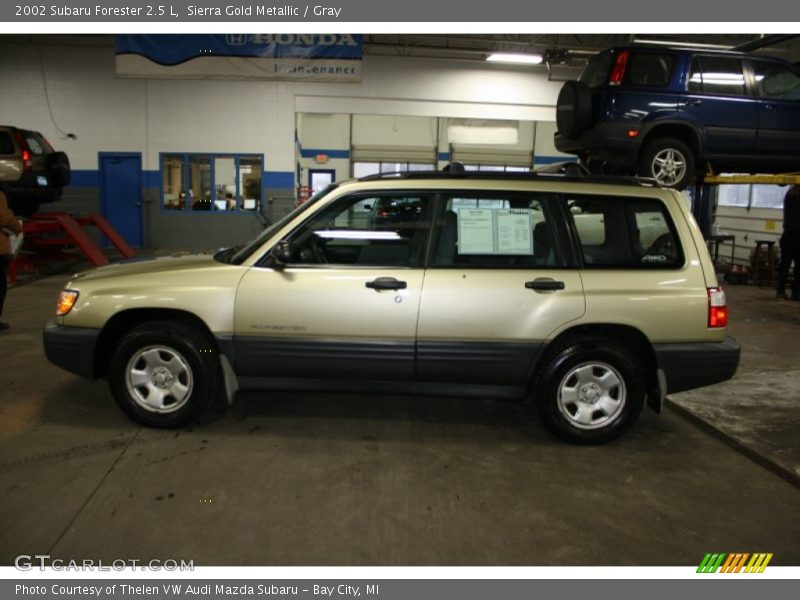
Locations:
(475, 231)
(495, 231)
(514, 231)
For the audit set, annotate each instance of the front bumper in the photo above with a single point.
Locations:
(693, 365)
(71, 348)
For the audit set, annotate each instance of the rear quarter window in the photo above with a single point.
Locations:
(649, 70)
(36, 143)
(596, 72)
(625, 233)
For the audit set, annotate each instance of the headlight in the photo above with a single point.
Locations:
(66, 300)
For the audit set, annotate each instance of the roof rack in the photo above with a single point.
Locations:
(455, 170)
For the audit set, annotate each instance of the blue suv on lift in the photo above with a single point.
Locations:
(671, 113)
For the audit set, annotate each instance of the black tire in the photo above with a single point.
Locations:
(189, 351)
(599, 357)
(574, 109)
(58, 169)
(661, 149)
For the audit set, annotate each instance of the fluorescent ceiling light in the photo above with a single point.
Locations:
(513, 57)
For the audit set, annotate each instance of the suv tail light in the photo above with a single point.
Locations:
(618, 72)
(26, 152)
(717, 308)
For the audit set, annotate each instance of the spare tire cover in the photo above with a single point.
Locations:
(59, 169)
(574, 109)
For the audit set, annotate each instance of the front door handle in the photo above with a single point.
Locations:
(694, 103)
(386, 283)
(544, 284)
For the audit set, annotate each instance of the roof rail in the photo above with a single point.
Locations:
(456, 170)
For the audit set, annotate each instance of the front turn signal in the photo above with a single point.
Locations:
(66, 300)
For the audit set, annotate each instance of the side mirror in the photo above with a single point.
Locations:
(281, 253)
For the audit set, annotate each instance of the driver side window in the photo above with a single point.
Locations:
(386, 230)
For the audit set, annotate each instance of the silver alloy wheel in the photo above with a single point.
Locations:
(668, 166)
(159, 379)
(591, 395)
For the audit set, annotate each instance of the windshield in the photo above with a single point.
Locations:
(237, 256)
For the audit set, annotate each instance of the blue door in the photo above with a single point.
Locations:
(121, 194)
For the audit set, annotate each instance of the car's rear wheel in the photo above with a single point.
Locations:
(165, 374)
(669, 161)
(590, 392)
(574, 109)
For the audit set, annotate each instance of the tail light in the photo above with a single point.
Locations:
(26, 152)
(717, 308)
(618, 72)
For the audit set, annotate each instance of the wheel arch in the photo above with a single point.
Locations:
(122, 322)
(627, 336)
(680, 131)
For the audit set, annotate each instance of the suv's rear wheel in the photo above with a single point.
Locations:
(165, 374)
(669, 161)
(590, 392)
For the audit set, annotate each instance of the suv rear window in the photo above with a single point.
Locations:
(650, 70)
(596, 72)
(625, 233)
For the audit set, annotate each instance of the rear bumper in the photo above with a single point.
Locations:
(607, 142)
(27, 187)
(694, 365)
(71, 348)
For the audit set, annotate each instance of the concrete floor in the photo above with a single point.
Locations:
(330, 479)
(758, 409)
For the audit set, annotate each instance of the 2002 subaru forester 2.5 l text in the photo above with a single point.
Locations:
(592, 298)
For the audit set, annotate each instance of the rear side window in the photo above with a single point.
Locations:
(497, 230)
(717, 75)
(596, 72)
(625, 233)
(649, 70)
(6, 143)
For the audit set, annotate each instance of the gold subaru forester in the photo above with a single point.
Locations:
(592, 296)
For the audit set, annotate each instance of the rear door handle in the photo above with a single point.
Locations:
(386, 283)
(544, 284)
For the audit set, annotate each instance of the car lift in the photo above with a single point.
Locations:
(702, 207)
(37, 229)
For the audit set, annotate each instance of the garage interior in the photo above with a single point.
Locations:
(289, 478)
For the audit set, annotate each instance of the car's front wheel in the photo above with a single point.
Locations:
(590, 392)
(669, 161)
(165, 374)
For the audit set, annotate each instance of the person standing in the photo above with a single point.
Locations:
(790, 243)
(8, 222)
